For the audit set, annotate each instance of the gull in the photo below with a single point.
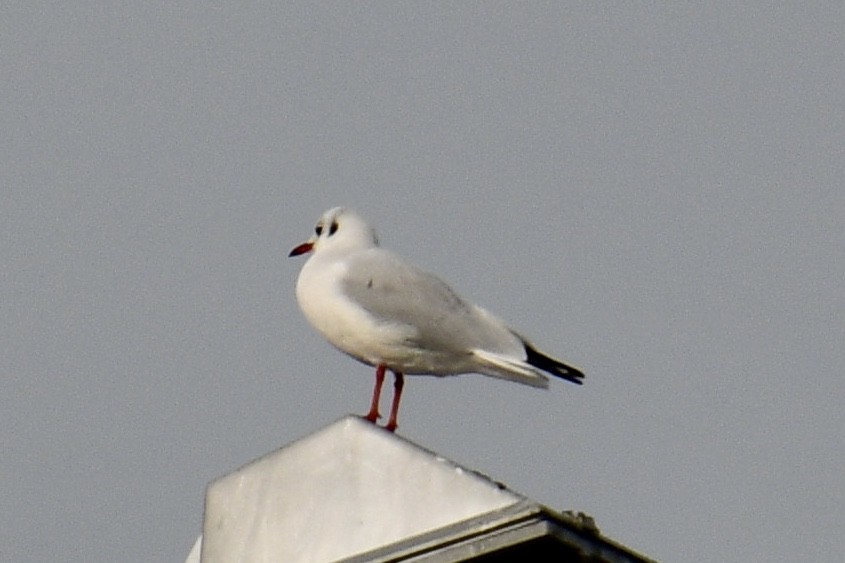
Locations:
(388, 313)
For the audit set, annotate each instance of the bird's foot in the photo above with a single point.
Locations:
(371, 416)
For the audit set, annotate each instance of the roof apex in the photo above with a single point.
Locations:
(348, 488)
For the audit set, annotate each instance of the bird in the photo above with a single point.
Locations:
(386, 312)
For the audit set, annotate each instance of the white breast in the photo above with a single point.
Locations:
(344, 324)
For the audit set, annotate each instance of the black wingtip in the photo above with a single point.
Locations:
(552, 366)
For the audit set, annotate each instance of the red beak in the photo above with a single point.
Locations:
(302, 249)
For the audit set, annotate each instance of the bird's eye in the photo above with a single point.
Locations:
(318, 229)
(333, 228)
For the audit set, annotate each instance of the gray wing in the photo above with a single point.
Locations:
(397, 292)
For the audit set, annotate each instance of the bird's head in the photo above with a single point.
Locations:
(338, 228)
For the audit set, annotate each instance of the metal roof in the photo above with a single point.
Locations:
(355, 492)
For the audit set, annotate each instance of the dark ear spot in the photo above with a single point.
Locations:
(333, 228)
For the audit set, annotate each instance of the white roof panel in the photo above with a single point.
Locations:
(346, 489)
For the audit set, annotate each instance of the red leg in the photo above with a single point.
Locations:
(398, 383)
(373, 415)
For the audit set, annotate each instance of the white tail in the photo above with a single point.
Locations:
(503, 367)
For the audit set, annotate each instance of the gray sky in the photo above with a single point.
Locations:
(651, 193)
